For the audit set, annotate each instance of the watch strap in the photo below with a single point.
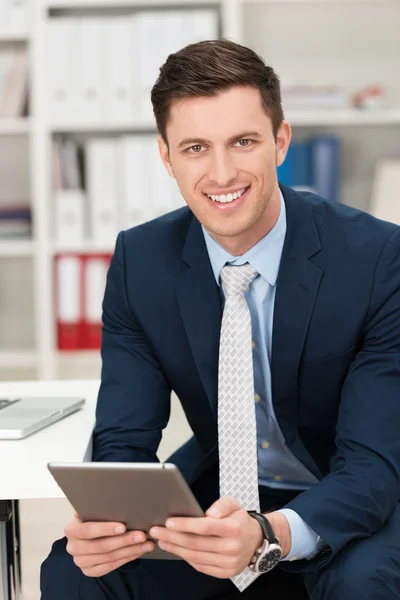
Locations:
(266, 526)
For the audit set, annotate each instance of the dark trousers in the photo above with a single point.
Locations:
(367, 569)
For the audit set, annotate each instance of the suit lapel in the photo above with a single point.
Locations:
(200, 305)
(296, 291)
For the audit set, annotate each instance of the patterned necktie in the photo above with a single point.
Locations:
(237, 437)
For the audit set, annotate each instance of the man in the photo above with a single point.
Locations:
(308, 294)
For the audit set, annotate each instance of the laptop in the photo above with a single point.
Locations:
(19, 417)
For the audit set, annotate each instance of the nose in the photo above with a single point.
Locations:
(222, 170)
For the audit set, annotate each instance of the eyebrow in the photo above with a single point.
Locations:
(240, 136)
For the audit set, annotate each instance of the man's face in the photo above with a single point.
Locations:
(223, 155)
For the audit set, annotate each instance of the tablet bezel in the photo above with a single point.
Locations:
(156, 490)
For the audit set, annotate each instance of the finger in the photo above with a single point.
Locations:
(202, 558)
(206, 526)
(78, 547)
(223, 507)
(92, 530)
(128, 553)
(100, 570)
(192, 541)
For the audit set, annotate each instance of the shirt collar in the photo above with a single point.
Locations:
(265, 256)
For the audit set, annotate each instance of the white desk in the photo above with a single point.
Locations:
(23, 463)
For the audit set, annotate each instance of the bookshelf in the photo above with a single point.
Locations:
(344, 51)
(13, 248)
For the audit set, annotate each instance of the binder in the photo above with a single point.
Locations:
(17, 17)
(149, 35)
(68, 278)
(386, 190)
(285, 170)
(15, 87)
(95, 275)
(302, 175)
(90, 68)
(325, 161)
(157, 177)
(119, 60)
(135, 190)
(69, 217)
(103, 189)
(62, 56)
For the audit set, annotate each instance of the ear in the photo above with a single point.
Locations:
(164, 153)
(282, 142)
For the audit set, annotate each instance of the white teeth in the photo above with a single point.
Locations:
(227, 197)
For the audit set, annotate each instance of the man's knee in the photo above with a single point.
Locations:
(357, 572)
(59, 573)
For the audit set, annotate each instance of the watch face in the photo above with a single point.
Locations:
(269, 560)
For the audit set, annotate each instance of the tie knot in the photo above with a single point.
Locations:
(235, 280)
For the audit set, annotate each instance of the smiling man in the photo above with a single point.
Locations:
(275, 317)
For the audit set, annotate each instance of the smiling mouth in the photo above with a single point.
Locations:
(227, 198)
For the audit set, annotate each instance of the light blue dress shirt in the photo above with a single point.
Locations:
(277, 465)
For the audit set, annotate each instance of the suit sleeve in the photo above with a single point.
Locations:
(362, 488)
(133, 405)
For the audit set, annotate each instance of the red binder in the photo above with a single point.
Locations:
(95, 268)
(69, 300)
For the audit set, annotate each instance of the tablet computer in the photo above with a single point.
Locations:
(139, 495)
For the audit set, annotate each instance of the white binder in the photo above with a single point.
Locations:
(159, 187)
(135, 188)
(386, 190)
(62, 59)
(91, 66)
(118, 69)
(17, 16)
(103, 189)
(95, 275)
(149, 35)
(69, 212)
(68, 285)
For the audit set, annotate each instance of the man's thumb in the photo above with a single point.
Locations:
(223, 507)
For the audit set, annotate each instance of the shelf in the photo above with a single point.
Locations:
(83, 357)
(16, 359)
(6, 37)
(103, 127)
(86, 247)
(116, 4)
(93, 4)
(15, 248)
(343, 117)
(295, 117)
(14, 126)
(283, 2)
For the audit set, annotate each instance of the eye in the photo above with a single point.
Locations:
(194, 149)
(244, 143)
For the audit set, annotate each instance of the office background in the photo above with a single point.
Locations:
(77, 140)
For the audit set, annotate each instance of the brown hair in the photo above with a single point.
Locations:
(209, 67)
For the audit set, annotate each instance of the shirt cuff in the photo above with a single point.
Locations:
(304, 539)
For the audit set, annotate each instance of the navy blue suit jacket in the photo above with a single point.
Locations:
(335, 356)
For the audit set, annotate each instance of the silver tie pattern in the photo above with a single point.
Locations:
(237, 436)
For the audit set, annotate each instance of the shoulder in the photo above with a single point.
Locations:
(169, 229)
(345, 226)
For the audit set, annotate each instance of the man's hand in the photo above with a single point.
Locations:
(220, 544)
(98, 548)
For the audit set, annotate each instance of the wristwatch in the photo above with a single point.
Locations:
(270, 552)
